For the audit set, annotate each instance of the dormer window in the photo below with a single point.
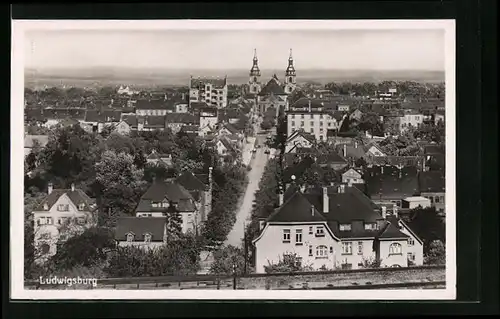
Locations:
(370, 226)
(130, 237)
(147, 238)
(45, 206)
(344, 227)
(81, 206)
(63, 207)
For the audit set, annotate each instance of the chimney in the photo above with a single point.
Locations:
(309, 106)
(302, 188)
(382, 169)
(280, 198)
(50, 188)
(400, 173)
(395, 210)
(341, 189)
(384, 212)
(326, 201)
(356, 144)
(312, 210)
(345, 150)
(72, 187)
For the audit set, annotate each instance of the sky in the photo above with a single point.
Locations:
(221, 49)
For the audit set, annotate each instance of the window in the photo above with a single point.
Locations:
(293, 123)
(329, 124)
(220, 98)
(370, 226)
(347, 248)
(321, 130)
(298, 237)
(411, 256)
(310, 230)
(411, 242)
(395, 249)
(164, 204)
(130, 237)
(312, 130)
(437, 199)
(321, 123)
(345, 227)
(360, 248)
(49, 221)
(302, 123)
(310, 250)
(321, 116)
(147, 238)
(63, 207)
(293, 116)
(320, 231)
(321, 137)
(331, 250)
(321, 252)
(286, 235)
(290, 79)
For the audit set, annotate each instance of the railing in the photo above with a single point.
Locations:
(176, 279)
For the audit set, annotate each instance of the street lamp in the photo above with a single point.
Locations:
(234, 276)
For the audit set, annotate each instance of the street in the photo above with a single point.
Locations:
(258, 164)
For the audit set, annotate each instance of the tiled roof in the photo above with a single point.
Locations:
(198, 105)
(191, 182)
(217, 83)
(77, 197)
(102, 116)
(431, 182)
(226, 143)
(130, 120)
(62, 113)
(351, 150)
(391, 230)
(171, 191)
(296, 209)
(298, 169)
(184, 118)
(154, 105)
(272, 87)
(152, 121)
(397, 160)
(434, 149)
(140, 226)
(392, 182)
(190, 128)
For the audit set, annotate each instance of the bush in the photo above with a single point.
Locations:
(370, 263)
(287, 263)
(436, 254)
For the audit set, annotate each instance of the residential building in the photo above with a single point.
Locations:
(63, 213)
(175, 121)
(332, 228)
(211, 91)
(154, 107)
(390, 183)
(413, 202)
(315, 118)
(96, 120)
(158, 198)
(156, 158)
(432, 186)
(352, 176)
(181, 108)
(123, 128)
(201, 188)
(439, 116)
(343, 107)
(299, 139)
(208, 120)
(151, 123)
(410, 119)
(145, 233)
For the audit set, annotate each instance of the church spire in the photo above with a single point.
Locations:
(290, 58)
(255, 71)
(290, 70)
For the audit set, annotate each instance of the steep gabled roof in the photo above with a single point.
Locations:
(181, 118)
(139, 226)
(160, 190)
(390, 184)
(431, 182)
(192, 183)
(77, 196)
(154, 105)
(391, 230)
(296, 209)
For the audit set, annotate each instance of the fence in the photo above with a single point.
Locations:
(224, 281)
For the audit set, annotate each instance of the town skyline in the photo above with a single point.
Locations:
(234, 50)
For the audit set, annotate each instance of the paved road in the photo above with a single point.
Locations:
(258, 163)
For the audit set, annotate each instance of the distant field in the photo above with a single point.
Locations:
(139, 78)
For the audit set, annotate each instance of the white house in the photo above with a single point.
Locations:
(145, 233)
(416, 201)
(352, 176)
(332, 228)
(299, 139)
(63, 213)
(123, 128)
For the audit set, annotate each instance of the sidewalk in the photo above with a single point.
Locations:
(247, 151)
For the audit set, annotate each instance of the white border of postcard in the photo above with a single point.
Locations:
(16, 196)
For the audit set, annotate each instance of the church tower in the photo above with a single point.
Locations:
(290, 76)
(254, 83)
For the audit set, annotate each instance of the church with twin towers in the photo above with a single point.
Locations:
(274, 93)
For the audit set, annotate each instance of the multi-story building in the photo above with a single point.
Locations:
(63, 213)
(410, 119)
(432, 186)
(334, 228)
(312, 116)
(211, 91)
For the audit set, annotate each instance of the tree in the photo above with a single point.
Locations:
(107, 130)
(119, 183)
(174, 221)
(436, 253)
(428, 225)
(87, 249)
(226, 258)
(266, 124)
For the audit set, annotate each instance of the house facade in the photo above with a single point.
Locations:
(211, 91)
(299, 139)
(331, 229)
(352, 176)
(63, 213)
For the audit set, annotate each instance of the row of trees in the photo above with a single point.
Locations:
(405, 88)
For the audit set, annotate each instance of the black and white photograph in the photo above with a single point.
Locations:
(233, 159)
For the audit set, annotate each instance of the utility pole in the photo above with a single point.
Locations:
(245, 249)
(234, 276)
